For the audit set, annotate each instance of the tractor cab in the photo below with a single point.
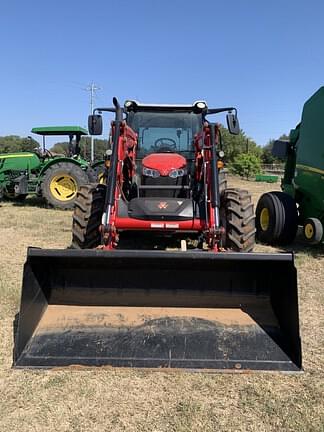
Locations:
(73, 132)
(165, 153)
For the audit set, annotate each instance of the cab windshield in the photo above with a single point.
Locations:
(160, 132)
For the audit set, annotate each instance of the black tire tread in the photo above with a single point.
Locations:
(283, 218)
(290, 227)
(240, 220)
(87, 216)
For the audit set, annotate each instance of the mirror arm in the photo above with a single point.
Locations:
(219, 110)
(106, 109)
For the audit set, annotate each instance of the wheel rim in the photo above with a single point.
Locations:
(264, 219)
(309, 231)
(63, 187)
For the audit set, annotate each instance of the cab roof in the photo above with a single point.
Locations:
(59, 130)
(134, 105)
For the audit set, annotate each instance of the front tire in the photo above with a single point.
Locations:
(88, 211)
(313, 231)
(61, 183)
(99, 171)
(238, 220)
(276, 219)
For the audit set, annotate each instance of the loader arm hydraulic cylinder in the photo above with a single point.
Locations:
(112, 177)
(214, 199)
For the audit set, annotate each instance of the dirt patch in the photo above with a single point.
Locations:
(66, 317)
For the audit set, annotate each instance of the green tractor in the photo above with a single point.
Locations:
(57, 178)
(301, 201)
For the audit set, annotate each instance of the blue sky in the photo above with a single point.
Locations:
(265, 57)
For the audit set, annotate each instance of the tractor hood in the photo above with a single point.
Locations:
(164, 163)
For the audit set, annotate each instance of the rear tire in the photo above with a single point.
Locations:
(276, 219)
(87, 215)
(237, 210)
(61, 183)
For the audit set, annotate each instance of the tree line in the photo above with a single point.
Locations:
(15, 143)
(244, 156)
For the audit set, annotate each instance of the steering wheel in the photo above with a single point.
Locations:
(47, 153)
(165, 144)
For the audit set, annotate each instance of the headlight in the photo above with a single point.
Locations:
(150, 172)
(177, 173)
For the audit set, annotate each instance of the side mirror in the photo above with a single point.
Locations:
(233, 124)
(280, 149)
(95, 124)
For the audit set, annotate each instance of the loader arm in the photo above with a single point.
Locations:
(123, 153)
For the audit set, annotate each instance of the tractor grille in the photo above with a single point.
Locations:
(164, 186)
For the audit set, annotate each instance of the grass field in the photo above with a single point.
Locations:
(134, 400)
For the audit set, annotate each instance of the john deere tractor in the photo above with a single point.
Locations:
(301, 201)
(57, 178)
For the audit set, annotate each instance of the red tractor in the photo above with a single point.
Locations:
(166, 177)
(209, 307)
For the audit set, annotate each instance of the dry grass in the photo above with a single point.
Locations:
(134, 400)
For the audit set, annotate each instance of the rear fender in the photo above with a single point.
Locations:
(49, 163)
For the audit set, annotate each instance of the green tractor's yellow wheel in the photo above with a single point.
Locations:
(63, 187)
(61, 183)
(264, 219)
(313, 231)
(309, 231)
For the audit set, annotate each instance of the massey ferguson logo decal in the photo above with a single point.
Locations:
(163, 205)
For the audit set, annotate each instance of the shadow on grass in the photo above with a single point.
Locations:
(14, 331)
(299, 246)
(316, 251)
(32, 201)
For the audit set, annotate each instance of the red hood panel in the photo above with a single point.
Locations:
(164, 162)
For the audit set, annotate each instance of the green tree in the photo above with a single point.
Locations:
(267, 156)
(15, 143)
(60, 148)
(100, 147)
(246, 165)
(234, 145)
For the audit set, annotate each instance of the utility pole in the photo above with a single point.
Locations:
(92, 88)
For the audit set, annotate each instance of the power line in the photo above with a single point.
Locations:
(92, 88)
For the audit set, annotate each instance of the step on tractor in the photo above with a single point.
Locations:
(128, 293)
(57, 178)
(301, 202)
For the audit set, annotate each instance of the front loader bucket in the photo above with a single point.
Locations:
(194, 310)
